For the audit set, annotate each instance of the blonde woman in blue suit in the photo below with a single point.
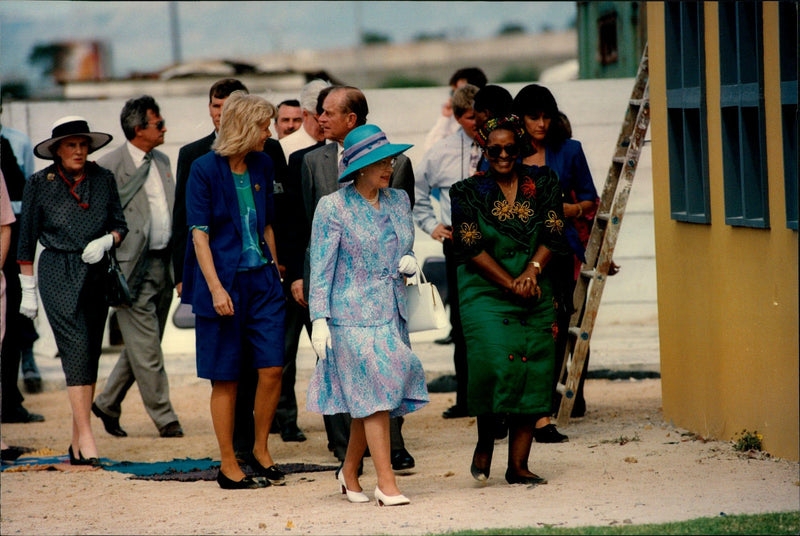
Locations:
(361, 247)
(231, 280)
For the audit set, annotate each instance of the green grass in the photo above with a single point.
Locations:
(780, 523)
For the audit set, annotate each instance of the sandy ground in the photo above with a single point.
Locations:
(623, 464)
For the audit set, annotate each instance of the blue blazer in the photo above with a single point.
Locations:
(570, 163)
(211, 201)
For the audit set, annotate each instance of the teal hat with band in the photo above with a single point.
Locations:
(366, 145)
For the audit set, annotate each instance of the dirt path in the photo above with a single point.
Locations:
(623, 464)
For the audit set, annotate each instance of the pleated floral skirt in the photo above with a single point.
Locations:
(368, 369)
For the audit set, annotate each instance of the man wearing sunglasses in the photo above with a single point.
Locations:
(147, 192)
(447, 162)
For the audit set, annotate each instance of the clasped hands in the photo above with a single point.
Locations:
(526, 285)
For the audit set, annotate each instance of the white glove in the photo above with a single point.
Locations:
(29, 306)
(94, 250)
(320, 337)
(407, 265)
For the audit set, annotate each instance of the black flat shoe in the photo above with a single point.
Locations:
(481, 475)
(274, 476)
(80, 460)
(530, 480)
(549, 434)
(245, 483)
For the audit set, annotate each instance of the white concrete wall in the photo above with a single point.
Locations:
(596, 109)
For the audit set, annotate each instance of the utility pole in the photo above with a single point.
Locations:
(174, 33)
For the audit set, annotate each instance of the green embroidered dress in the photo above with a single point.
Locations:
(510, 341)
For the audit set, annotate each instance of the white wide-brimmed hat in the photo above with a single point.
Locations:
(71, 125)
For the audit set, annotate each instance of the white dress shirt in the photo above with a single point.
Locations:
(160, 221)
(299, 139)
(446, 163)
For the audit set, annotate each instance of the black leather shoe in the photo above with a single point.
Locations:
(481, 475)
(33, 385)
(445, 340)
(172, 429)
(291, 433)
(21, 415)
(531, 480)
(275, 476)
(401, 460)
(245, 483)
(549, 434)
(454, 412)
(12, 453)
(111, 424)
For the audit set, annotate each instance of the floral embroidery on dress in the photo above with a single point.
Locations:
(528, 188)
(553, 223)
(470, 234)
(523, 210)
(503, 210)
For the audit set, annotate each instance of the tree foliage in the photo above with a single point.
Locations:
(374, 38)
(48, 55)
(512, 28)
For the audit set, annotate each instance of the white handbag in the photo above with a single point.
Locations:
(424, 305)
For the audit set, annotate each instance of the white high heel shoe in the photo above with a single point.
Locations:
(352, 496)
(389, 500)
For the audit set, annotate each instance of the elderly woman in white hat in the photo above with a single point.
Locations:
(361, 244)
(72, 207)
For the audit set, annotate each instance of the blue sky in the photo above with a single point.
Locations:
(139, 36)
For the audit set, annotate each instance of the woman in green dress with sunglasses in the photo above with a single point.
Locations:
(507, 223)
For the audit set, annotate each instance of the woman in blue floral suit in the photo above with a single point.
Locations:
(361, 244)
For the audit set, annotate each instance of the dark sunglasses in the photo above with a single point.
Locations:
(494, 151)
(158, 124)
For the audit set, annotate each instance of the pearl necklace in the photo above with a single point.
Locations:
(373, 201)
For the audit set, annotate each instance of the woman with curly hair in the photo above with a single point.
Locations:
(507, 223)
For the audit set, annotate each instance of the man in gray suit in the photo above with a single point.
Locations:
(343, 109)
(147, 192)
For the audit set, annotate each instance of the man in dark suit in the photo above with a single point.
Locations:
(292, 256)
(220, 91)
(244, 430)
(343, 109)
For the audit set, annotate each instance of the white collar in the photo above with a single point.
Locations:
(136, 154)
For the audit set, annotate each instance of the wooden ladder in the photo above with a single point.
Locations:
(603, 239)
